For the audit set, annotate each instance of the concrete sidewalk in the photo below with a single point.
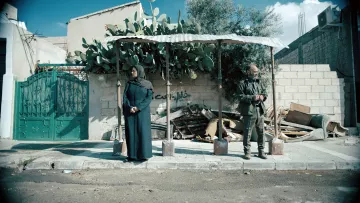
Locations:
(330, 154)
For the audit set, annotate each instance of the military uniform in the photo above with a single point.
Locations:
(253, 113)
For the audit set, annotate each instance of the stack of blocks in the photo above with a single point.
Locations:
(315, 86)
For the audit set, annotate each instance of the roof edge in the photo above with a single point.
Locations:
(105, 10)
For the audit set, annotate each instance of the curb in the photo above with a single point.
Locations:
(239, 165)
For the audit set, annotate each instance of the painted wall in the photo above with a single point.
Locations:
(93, 26)
(103, 103)
(312, 85)
(58, 41)
(29, 50)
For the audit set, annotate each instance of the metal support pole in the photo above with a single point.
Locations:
(119, 145)
(220, 91)
(118, 91)
(274, 91)
(220, 145)
(167, 94)
(168, 148)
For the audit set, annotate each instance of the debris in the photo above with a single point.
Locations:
(298, 117)
(172, 116)
(299, 108)
(297, 125)
(67, 171)
(247, 173)
(337, 128)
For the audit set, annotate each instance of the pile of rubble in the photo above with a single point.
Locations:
(294, 124)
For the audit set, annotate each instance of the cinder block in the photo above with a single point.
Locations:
(336, 95)
(304, 74)
(331, 74)
(314, 110)
(326, 95)
(286, 96)
(291, 89)
(284, 67)
(337, 109)
(297, 67)
(317, 88)
(327, 110)
(299, 96)
(279, 88)
(332, 88)
(279, 75)
(335, 81)
(284, 82)
(324, 81)
(305, 102)
(107, 98)
(297, 81)
(112, 104)
(316, 75)
(108, 112)
(332, 103)
(313, 95)
(311, 81)
(201, 81)
(287, 102)
(290, 74)
(322, 67)
(304, 88)
(317, 102)
(104, 104)
(308, 67)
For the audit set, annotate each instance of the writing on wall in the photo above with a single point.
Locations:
(177, 96)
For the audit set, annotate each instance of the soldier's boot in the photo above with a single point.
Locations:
(262, 154)
(247, 155)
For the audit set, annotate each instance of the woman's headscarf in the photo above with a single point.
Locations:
(140, 79)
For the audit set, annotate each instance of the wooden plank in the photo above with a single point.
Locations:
(298, 117)
(299, 107)
(296, 125)
(290, 128)
(294, 133)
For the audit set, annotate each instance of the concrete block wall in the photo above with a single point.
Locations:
(311, 85)
(103, 99)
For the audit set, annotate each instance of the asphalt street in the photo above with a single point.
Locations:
(143, 185)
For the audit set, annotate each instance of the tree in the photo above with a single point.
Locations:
(224, 17)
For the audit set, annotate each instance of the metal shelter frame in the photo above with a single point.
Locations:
(191, 38)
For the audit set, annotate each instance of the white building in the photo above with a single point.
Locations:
(20, 50)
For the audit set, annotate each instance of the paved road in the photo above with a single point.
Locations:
(139, 185)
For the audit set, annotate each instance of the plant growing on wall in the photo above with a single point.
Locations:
(184, 58)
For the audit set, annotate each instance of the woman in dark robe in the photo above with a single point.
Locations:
(136, 108)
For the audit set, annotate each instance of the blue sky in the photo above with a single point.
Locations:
(48, 17)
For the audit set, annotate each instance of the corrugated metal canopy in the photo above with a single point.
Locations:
(188, 38)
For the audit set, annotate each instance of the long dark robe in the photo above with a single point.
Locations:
(137, 125)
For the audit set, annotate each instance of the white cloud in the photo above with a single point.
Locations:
(289, 13)
(63, 25)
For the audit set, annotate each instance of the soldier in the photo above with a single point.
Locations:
(252, 108)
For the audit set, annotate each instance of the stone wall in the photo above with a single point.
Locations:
(103, 103)
(311, 85)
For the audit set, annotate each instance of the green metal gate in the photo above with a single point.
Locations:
(51, 106)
